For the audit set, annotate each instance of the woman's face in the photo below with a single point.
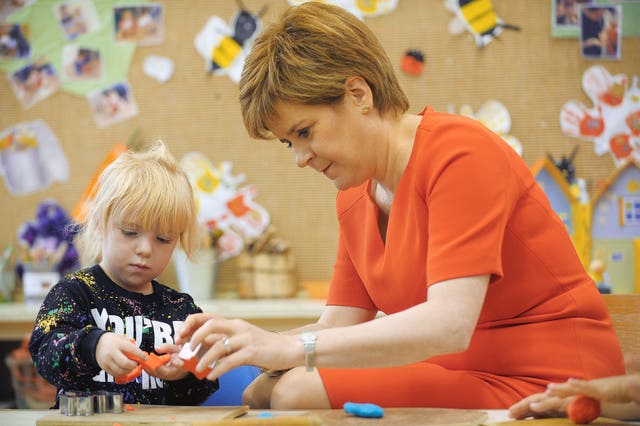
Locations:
(331, 139)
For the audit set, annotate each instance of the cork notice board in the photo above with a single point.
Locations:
(530, 72)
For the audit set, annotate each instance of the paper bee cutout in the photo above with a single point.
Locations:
(477, 17)
(224, 48)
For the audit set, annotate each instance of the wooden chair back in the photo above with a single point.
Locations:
(625, 315)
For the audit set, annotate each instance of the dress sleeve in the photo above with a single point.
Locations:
(63, 339)
(470, 196)
(347, 288)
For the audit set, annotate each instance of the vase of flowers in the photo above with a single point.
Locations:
(46, 250)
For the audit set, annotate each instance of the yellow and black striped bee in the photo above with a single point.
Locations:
(477, 17)
(244, 27)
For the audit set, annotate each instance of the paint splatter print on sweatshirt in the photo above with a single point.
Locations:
(86, 304)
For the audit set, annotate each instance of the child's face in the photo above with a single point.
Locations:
(132, 256)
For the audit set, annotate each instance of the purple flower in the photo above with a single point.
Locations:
(28, 233)
(51, 219)
(42, 236)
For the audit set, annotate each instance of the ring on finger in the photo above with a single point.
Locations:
(227, 345)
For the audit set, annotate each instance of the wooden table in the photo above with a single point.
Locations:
(393, 416)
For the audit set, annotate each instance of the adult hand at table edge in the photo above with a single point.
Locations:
(539, 405)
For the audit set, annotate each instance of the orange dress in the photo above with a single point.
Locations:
(467, 205)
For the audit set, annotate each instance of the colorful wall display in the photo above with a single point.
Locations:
(227, 210)
(613, 123)
(81, 25)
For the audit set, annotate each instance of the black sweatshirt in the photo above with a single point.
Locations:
(86, 304)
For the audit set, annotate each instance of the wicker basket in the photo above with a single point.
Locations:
(31, 390)
(267, 275)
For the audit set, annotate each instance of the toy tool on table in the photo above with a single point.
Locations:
(149, 364)
(191, 358)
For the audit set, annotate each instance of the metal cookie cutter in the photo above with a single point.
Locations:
(76, 403)
(107, 402)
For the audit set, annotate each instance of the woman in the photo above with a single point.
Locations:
(442, 228)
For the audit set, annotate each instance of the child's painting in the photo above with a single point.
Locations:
(34, 82)
(81, 64)
(14, 42)
(31, 158)
(142, 24)
(113, 104)
(76, 17)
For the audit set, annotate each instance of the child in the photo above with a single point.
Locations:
(143, 206)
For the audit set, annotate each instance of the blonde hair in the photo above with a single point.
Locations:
(147, 189)
(306, 58)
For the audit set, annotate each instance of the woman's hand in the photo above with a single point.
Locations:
(231, 343)
(110, 354)
(190, 325)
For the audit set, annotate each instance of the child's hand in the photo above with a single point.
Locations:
(110, 354)
(170, 370)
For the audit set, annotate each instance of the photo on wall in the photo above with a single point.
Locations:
(141, 24)
(600, 35)
(566, 13)
(76, 17)
(34, 82)
(81, 64)
(9, 7)
(113, 104)
(14, 42)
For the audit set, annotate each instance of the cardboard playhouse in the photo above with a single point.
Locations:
(606, 231)
(566, 202)
(615, 228)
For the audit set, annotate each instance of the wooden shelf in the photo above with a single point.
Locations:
(17, 318)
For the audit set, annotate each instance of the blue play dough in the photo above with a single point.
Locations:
(364, 409)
